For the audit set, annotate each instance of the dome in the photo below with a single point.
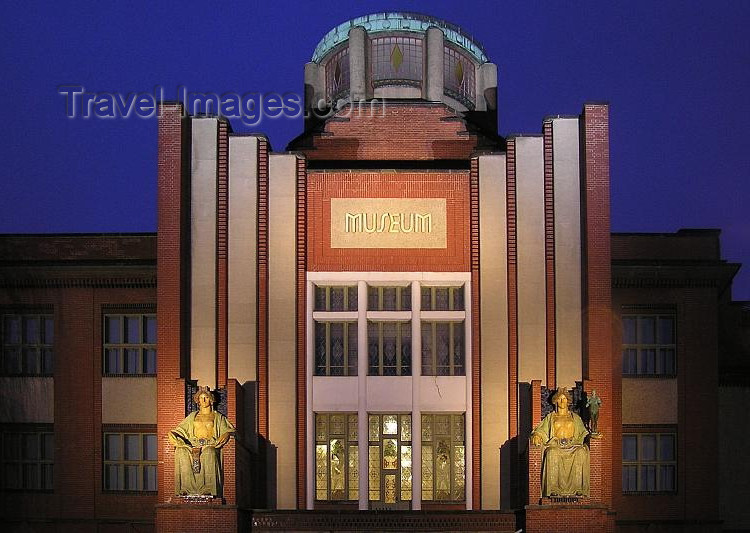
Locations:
(399, 22)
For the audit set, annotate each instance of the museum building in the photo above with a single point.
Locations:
(383, 312)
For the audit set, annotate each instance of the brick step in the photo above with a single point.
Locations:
(497, 521)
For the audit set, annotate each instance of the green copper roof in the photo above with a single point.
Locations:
(399, 21)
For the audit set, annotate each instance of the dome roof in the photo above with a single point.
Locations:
(399, 21)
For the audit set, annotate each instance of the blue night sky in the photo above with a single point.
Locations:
(676, 75)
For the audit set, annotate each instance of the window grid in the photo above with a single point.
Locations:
(389, 458)
(649, 462)
(443, 347)
(397, 59)
(337, 74)
(458, 73)
(130, 462)
(649, 345)
(388, 298)
(335, 298)
(442, 298)
(129, 344)
(336, 457)
(335, 348)
(389, 348)
(27, 344)
(28, 460)
(443, 458)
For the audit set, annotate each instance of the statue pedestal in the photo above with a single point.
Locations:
(544, 514)
(190, 515)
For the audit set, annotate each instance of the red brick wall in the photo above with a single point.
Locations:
(324, 185)
(78, 497)
(697, 388)
(173, 251)
(397, 131)
(599, 361)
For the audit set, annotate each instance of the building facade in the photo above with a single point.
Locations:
(383, 310)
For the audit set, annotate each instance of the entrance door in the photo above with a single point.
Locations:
(389, 461)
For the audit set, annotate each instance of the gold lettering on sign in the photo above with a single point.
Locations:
(388, 223)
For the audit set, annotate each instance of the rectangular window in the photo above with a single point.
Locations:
(649, 462)
(336, 457)
(335, 298)
(443, 346)
(27, 344)
(389, 298)
(130, 461)
(648, 345)
(335, 348)
(130, 344)
(443, 298)
(389, 348)
(27, 459)
(443, 458)
(390, 458)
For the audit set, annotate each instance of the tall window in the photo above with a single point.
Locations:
(27, 459)
(648, 345)
(396, 58)
(458, 73)
(27, 344)
(443, 458)
(649, 462)
(336, 457)
(335, 348)
(130, 461)
(130, 344)
(337, 74)
(389, 458)
(389, 348)
(443, 347)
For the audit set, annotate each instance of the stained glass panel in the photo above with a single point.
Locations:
(406, 427)
(459, 472)
(321, 472)
(427, 477)
(390, 425)
(374, 473)
(390, 488)
(390, 454)
(353, 473)
(374, 424)
(406, 476)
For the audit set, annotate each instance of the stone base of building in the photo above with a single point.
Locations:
(200, 517)
(580, 518)
(498, 521)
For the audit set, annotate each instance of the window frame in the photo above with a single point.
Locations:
(658, 462)
(433, 369)
(401, 325)
(349, 326)
(45, 457)
(350, 436)
(121, 463)
(430, 459)
(640, 347)
(44, 366)
(123, 346)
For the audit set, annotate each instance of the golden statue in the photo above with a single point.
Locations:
(565, 463)
(198, 441)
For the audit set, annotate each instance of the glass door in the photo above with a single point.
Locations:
(389, 461)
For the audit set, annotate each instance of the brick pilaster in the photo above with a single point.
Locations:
(476, 351)
(173, 214)
(549, 254)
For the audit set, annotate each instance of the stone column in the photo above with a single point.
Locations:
(434, 81)
(357, 64)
